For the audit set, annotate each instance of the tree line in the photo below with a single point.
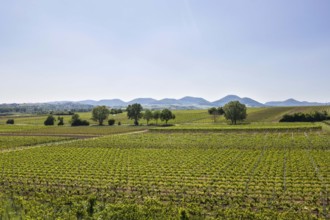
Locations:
(134, 112)
(306, 117)
(101, 113)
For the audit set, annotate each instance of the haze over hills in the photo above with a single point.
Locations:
(186, 102)
(293, 102)
(197, 102)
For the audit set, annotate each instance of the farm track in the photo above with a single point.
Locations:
(76, 138)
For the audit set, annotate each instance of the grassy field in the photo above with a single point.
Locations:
(196, 169)
(271, 114)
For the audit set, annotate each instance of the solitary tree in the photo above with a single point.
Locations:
(235, 111)
(166, 115)
(134, 112)
(148, 115)
(49, 120)
(156, 115)
(100, 113)
(215, 112)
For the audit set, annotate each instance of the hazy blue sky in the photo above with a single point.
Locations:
(74, 50)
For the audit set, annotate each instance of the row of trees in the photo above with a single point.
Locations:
(233, 111)
(135, 113)
(101, 113)
(306, 117)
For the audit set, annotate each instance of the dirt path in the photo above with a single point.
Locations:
(77, 138)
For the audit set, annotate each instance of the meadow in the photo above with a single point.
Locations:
(196, 169)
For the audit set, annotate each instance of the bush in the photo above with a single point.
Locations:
(119, 123)
(76, 121)
(50, 120)
(80, 122)
(111, 122)
(10, 121)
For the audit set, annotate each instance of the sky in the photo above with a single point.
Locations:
(58, 50)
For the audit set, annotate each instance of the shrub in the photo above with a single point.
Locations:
(111, 122)
(10, 121)
(50, 120)
(60, 121)
(119, 123)
(76, 121)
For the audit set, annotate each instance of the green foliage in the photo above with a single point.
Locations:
(148, 115)
(166, 115)
(183, 215)
(100, 113)
(215, 112)
(76, 121)
(91, 205)
(235, 111)
(306, 117)
(10, 121)
(50, 120)
(111, 121)
(156, 116)
(134, 112)
(114, 111)
(60, 121)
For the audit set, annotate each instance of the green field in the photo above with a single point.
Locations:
(270, 114)
(196, 169)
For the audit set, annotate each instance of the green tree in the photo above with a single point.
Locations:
(156, 115)
(60, 121)
(100, 113)
(215, 112)
(148, 115)
(134, 112)
(50, 120)
(235, 111)
(166, 115)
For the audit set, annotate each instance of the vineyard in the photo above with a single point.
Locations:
(282, 174)
(189, 171)
(270, 127)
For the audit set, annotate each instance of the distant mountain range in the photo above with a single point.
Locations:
(293, 102)
(189, 102)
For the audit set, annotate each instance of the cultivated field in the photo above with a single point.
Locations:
(196, 169)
